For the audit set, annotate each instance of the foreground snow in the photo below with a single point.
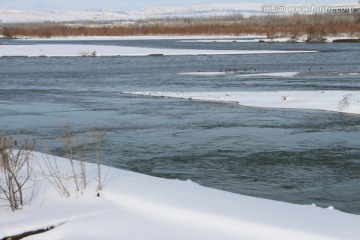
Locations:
(339, 101)
(136, 206)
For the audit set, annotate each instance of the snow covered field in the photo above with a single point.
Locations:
(338, 101)
(136, 206)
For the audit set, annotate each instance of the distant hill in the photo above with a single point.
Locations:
(15, 16)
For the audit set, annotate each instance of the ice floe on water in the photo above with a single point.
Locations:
(275, 74)
(203, 73)
(270, 74)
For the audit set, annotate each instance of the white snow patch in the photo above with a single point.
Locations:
(304, 38)
(339, 101)
(58, 50)
(279, 40)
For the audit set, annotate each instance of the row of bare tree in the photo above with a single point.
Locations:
(289, 25)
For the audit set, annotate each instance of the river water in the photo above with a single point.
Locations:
(298, 156)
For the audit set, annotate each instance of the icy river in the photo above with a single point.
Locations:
(298, 156)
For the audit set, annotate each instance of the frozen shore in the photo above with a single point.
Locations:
(63, 50)
(200, 38)
(305, 38)
(136, 206)
(185, 38)
(338, 101)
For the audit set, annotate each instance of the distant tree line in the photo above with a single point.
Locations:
(316, 26)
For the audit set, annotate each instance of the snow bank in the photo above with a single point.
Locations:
(339, 101)
(59, 50)
(304, 38)
(136, 206)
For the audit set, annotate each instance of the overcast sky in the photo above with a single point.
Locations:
(68, 5)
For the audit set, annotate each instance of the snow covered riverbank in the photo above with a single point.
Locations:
(68, 50)
(338, 101)
(180, 38)
(136, 206)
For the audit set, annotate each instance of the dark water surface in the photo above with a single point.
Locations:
(297, 156)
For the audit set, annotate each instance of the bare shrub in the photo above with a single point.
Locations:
(98, 138)
(60, 176)
(17, 175)
(53, 174)
(71, 148)
(15, 169)
(82, 172)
